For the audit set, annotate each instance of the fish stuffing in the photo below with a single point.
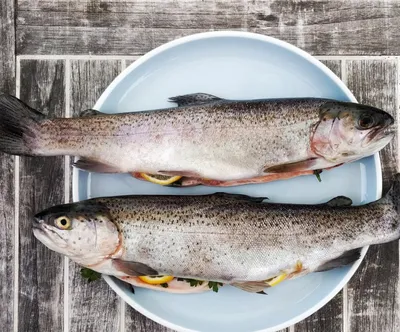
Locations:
(219, 238)
(205, 140)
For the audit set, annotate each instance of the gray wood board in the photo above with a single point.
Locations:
(137, 26)
(93, 306)
(373, 292)
(7, 247)
(41, 288)
(329, 318)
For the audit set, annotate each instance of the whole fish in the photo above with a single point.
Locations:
(206, 139)
(231, 239)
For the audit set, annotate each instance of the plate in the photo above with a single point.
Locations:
(235, 65)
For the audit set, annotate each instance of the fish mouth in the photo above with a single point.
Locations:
(38, 224)
(378, 134)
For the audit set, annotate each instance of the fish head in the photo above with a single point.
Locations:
(82, 231)
(350, 131)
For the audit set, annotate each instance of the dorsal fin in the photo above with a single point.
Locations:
(194, 99)
(339, 201)
(90, 112)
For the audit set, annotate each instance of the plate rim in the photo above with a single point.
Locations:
(247, 35)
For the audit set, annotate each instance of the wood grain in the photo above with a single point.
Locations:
(41, 290)
(335, 66)
(95, 306)
(373, 292)
(134, 321)
(137, 26)
(329, 318)
(7, 246)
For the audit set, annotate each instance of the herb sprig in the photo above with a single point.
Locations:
(211, 284)
(90, 275)
(317, 173)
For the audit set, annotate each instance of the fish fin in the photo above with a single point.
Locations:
(292, 167)
(262, 292)
(133, 268)
(251, 286)
(339, 201)
(95, 166)
(89, 112)
(194, 99)
(240, 197)
(188, 174)
(346, 258)
(19, 126)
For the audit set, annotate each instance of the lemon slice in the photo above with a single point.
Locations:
(156, 280)
(277, 280)
(163, 180)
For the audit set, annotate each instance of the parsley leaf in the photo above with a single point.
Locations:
(192, 282)
(89, 274)
(317, 173)
(214, 285)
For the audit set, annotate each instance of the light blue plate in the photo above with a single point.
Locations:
(239, 66)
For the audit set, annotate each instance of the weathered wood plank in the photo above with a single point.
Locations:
(134, 321)
(335, 66)
(7, 247)
(137, 26)
(329, 318)
(95, 306)
(40, 302)
(373, 292)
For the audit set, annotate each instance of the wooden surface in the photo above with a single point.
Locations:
(8, 244)
(60, 55)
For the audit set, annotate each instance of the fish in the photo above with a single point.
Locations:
(229, 239)
(205, 140)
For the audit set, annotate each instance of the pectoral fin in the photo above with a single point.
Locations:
(345, 259)
(95, 166)
(251, 286)
(339, 201)
(194, 99)
(240, 197)
(133, 269)
(292, 167)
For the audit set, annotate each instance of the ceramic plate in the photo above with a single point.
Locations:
(233, 65)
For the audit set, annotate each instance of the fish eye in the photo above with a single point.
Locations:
(63, 223)
(365, 121)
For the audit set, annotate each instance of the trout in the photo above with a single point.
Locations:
(205, 140)
(221, 238)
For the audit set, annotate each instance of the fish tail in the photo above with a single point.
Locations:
(19, 126)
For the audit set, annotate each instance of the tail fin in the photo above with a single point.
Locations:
(18, 126)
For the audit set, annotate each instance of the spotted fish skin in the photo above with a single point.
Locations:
(220, 140)
(219, 238)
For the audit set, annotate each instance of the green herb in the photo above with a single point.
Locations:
(89, 274)
(214, 285)
(192, 282)
(317, 173)
(164, 285)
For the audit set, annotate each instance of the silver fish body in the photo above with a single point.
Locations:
(220, 237)
(219, 140)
